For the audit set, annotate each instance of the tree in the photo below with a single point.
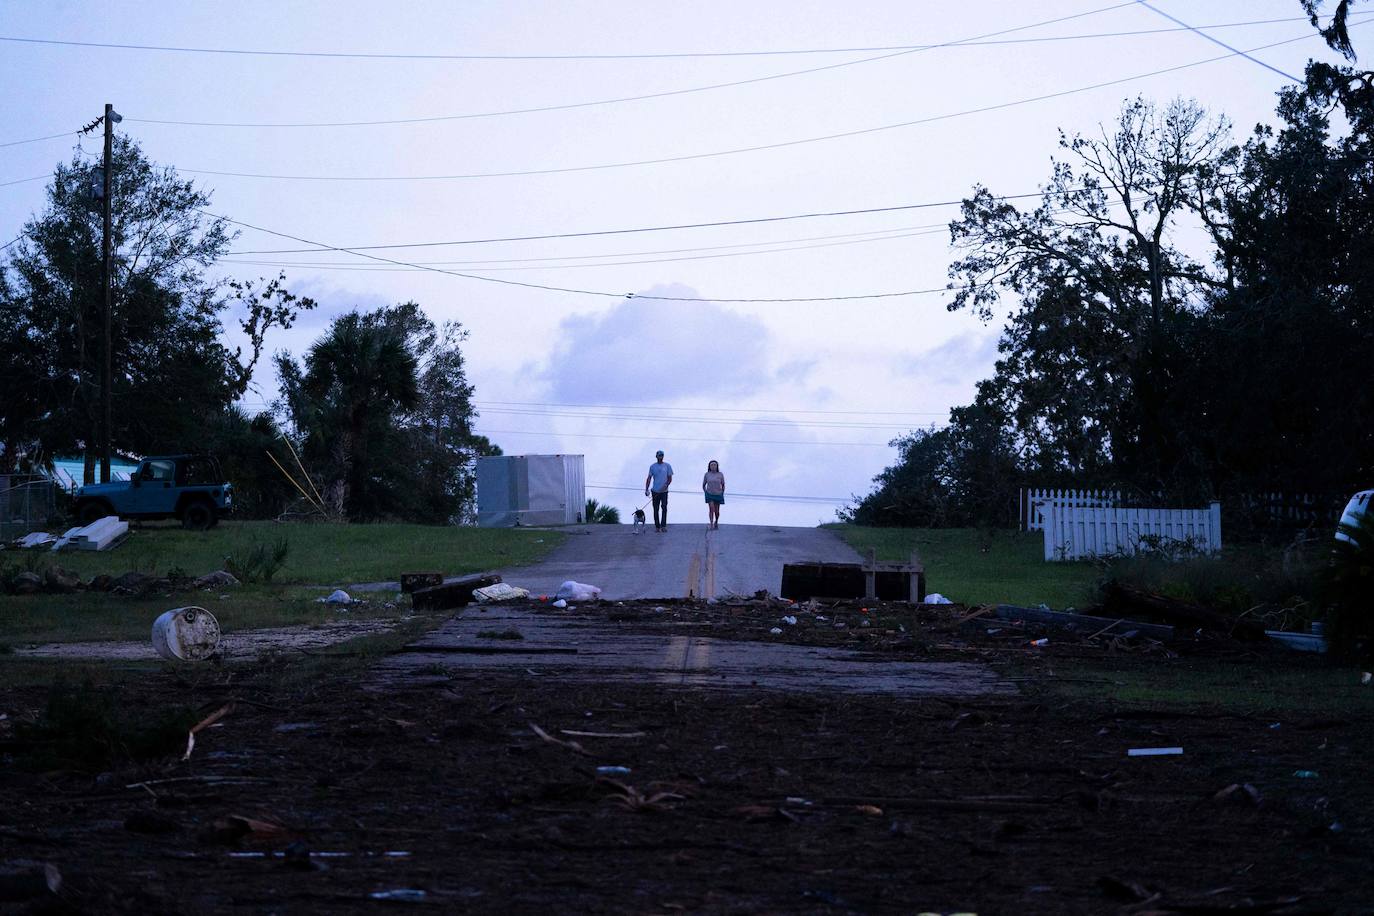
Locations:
(951, 476)
(172, 369)
(383, 409)
(1104, 294)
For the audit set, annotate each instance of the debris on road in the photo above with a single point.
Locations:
(454, 593)
(577, 591)
(1098, 626)
(413, 582)
(501, 591)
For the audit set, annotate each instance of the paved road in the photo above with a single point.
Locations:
(732, 560)
(577, 647)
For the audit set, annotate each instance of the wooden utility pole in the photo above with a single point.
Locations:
(106, 371)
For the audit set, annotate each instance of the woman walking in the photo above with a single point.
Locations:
(713, 485)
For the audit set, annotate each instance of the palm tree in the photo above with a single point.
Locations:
(358, 376)
(598, 514)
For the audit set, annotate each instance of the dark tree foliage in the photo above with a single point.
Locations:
(173, 373)
(1245, 367)
(383, 409)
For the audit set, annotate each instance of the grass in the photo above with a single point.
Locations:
(320, 558)
(86, 616)
(971, 566)
(320, 554)
(1208, 683)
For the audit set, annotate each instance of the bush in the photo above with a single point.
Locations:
(596, 513)
(1278, 587)
(261, 563)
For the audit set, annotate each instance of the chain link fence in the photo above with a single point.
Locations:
(28, 502)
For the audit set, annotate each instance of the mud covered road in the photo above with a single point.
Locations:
(485, 789)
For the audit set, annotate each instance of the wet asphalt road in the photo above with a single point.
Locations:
(732, 560)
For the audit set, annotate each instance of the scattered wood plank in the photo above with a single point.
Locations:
(1120, 598)
(1065, 620)
(413, 582)
(454, 593)
(482, 650)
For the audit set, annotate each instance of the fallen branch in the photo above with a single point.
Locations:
(204, 724)
(570, 745)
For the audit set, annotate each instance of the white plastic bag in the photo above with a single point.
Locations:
(576, 591)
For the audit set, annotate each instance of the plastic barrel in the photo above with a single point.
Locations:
(186, 633)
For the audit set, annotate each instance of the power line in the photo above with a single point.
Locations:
(870, 235)
(658, 410)
(666, 228)
(733, 495)
(662, 55)
(661, 407)
(364, 55)
(1217, 41)
(581, 292)
(569, 106)
(6, 184)
(657, 418)
(475, 265)
(745, 149)
(558, 263)
(578, 436)
(65, 133)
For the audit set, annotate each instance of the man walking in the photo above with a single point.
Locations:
(656, 486)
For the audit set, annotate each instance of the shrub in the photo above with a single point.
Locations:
(261, 563)
(596, 513)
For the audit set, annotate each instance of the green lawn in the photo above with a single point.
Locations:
(94, 616)
(321, 554)
(322, 557)
(972, 566)
(1312, 686)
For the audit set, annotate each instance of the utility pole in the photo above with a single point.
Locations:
(106, 373)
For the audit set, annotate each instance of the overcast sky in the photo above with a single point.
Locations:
(544, 118)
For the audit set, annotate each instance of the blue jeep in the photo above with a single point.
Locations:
(187, 487)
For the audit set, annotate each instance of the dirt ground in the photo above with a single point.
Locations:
(480, 791)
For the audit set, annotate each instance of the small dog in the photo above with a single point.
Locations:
(639, 521)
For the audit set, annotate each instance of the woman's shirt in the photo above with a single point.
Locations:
(713, 482)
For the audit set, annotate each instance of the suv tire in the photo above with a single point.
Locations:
(92, 510)
(198, 516)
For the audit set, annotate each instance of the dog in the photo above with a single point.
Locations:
(639, 521)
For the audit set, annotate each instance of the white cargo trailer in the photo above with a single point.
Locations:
(531, 490)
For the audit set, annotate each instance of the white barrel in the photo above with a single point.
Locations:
(188, 633)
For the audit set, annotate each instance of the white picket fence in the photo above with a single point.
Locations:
(1079, 532)
(1030, 500)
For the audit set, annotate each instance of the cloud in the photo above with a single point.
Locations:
(962, 359)
(652, 352)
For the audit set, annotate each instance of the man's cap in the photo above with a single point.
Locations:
(658, 454)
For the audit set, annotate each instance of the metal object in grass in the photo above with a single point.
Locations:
(186, 633)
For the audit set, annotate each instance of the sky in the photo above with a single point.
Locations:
(774, 344)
